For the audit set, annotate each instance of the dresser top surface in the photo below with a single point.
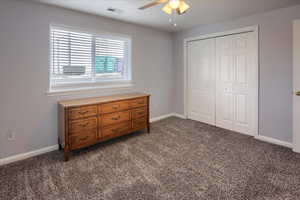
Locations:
(104, 99)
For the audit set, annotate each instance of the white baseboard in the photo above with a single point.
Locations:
(29, 154)
(179, 116)
(155, 119)
(274, 141)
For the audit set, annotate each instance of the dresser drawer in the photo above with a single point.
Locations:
(115, 106)
(139, 123)
(139, 112)
(81, 125)
(82, 112)
(135, 103)
(116, 130)
(83, 140)
(114, 118)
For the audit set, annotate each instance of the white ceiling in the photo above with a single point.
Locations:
(201, 12)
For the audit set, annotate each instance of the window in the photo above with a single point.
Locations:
(85, 58)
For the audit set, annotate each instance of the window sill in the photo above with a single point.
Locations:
(84, 90)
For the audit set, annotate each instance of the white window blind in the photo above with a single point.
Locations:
(79, 57)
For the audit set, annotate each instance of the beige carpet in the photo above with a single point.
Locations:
(180, 159)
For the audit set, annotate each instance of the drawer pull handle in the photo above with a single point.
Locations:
(116, 107)
(83, 139)
(115, 130)
(83, 112)
(115, 118)
(84, 125)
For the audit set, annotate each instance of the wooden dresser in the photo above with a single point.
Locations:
(84, 122)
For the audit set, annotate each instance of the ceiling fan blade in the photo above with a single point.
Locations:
(153, 4)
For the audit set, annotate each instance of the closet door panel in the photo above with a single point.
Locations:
(224, 111)
(241, 110)
(224, 82)
(201, 84)
(244, 83)
(236, 83)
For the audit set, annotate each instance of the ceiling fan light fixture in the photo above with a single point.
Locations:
(183, 7)
(174, 4)
(167, 9)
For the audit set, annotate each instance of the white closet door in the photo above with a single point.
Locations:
(201, 80)
(237, 74)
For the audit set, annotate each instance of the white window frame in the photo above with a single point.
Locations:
(105, 81)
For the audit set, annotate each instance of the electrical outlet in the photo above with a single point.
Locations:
(11, 136)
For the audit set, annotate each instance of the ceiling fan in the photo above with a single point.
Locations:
(178, 5)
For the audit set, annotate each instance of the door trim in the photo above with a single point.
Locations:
(296, 63)
(254, 29)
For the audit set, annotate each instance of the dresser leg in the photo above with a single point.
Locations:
(59, 145)
(148, 129)
(67, 155)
